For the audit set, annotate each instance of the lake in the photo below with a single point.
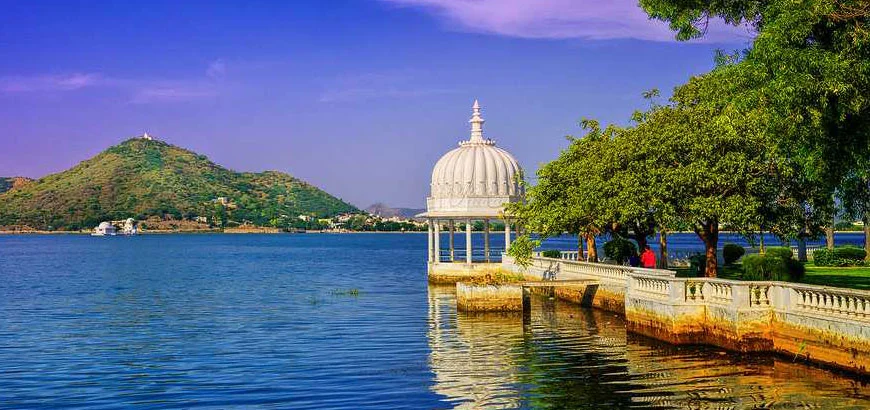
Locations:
(334, 321)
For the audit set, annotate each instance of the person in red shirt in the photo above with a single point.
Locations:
(647, 258)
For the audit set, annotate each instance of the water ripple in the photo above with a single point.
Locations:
(267, 321)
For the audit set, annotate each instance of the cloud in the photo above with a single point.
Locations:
(216, 70)
(170, 93)
(140, 90)
(363, 87)
(561, 19)
(65, 82)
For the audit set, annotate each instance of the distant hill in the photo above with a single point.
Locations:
(7, 183)
(142, 178)
(385, 211)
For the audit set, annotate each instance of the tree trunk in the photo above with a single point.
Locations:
(580, 247)
(867, 235)
(829, 237)
(761, 243)
(592, 251)
(663, 250)
(802, 248)
(709, 234)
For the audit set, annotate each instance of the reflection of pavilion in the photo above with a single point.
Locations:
(471, 361)
(470, 183)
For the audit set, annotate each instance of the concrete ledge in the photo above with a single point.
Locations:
(489, 298)
(449, 273)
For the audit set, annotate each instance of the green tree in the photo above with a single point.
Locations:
(809, 67)
(570, 192)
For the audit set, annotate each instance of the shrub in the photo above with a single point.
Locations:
(779, 252)
(620, 249)
(731, 252)
(551, 253)
(697, 264)
(753, 267)
(839, 256)
(850, 252)
(772, 266)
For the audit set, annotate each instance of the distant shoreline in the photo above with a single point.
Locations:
(205, 232)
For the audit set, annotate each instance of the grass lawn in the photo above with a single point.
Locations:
(851, 277)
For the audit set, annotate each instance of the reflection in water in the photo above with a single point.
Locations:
(565, 356)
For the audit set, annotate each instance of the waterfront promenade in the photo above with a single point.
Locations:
(823, 325)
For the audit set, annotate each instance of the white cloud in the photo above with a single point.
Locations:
(172, 93)
(64, 82)
(141, 90)
(561, 19)
(398, 84)
(216, 70)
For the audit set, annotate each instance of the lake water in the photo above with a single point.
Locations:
(274, 321)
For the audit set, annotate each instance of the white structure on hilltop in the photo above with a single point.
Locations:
(471, 183)
(147, 137)
(104, 229)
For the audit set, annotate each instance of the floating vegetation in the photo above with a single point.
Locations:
(345, 292)
(314, 301)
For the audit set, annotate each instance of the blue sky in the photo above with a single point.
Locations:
(359, 97)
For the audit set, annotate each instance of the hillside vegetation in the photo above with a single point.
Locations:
(143, 178)
(7, 183)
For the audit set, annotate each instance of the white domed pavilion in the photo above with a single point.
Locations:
(473, 182)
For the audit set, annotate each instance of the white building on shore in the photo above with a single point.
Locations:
(104, 229)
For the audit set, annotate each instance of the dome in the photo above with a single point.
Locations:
(105, 225)
(475, 179)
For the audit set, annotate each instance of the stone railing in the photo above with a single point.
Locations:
(836, 302)
(722, 292)
(652, 286)
(565, 255)
(824, 325)
(821, 324)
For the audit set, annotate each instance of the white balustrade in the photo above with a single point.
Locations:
(654, 287)
(694, 291)
(759, 295)
(836, 302)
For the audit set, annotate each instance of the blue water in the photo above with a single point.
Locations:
(223, 321)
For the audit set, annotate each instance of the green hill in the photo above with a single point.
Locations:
(143, 178)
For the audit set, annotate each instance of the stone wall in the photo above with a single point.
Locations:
(492, 298)
(824, 325)
(452, 272)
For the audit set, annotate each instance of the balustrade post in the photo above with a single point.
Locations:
(740, 295)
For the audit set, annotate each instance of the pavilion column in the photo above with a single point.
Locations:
(437, 241)
(468, 241)
(452, 232)
(429, 241)
(507, 235)
(486, 239)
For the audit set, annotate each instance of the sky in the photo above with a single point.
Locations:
(359, 97)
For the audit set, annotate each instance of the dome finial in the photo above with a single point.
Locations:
(476, 123)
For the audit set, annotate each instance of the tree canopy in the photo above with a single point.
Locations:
(763, 142)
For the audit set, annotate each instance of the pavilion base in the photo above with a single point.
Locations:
(453, 272)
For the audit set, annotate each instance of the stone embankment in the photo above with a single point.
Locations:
(829, 326)
(489, 298)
